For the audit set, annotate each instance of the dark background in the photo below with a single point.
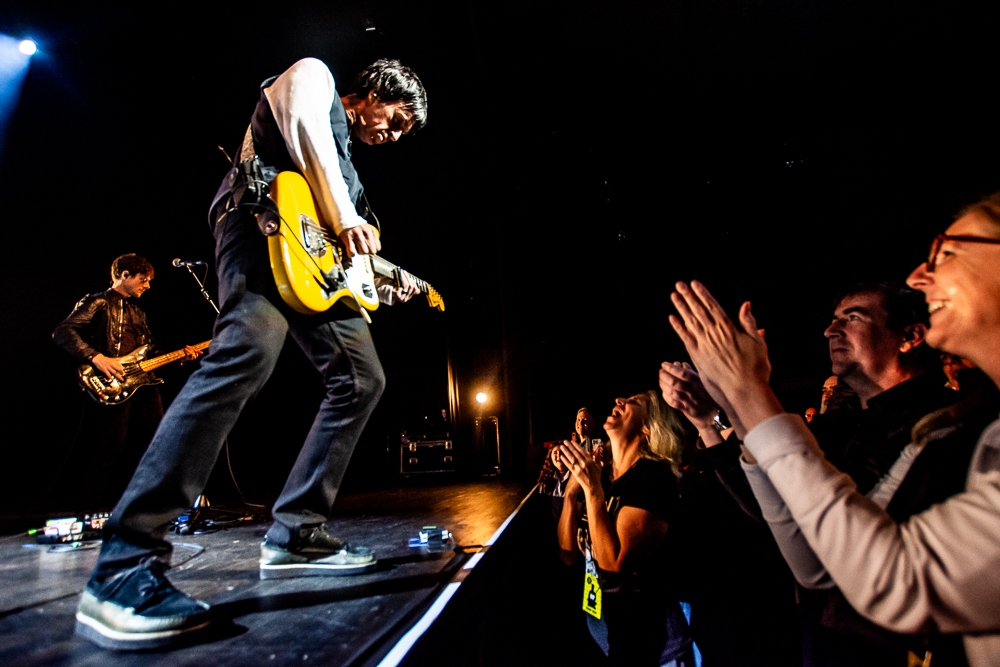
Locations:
(580, 158)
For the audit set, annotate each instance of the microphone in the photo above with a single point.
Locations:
(179, 263)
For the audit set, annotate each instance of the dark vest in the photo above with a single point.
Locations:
(270, 145)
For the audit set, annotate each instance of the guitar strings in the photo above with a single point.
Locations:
(326, 236)
(336, 258)
(420, 282)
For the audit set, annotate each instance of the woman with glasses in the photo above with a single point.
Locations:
(936, 571)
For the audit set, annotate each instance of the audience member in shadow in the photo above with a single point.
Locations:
(927, 573)
(737, 620)
(620, 525)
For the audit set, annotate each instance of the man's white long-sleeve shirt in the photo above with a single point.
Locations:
(300, 100)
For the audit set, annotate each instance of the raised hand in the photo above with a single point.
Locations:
(683, 390)
(732, 358)
(584, 469)
(726, 354)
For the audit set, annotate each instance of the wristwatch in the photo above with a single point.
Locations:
(720, 422)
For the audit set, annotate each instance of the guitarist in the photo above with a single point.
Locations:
(111, 439)
(303, 122)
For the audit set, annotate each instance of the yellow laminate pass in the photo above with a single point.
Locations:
(591, 595)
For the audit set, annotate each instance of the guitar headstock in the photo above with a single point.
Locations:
(434, 299)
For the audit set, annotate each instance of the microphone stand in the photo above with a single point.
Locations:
(201, 502)
(187, 523)
(201, 286)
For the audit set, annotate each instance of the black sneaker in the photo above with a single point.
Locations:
(138, 609)
(315, 554)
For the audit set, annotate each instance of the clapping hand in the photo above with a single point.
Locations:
(730, 357)
(582, 466)
(683, 390)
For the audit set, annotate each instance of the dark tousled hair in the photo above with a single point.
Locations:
(903, 306)
(394, 82)
(132, 263)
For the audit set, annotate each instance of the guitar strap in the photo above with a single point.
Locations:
(253, 188)
(249, 153)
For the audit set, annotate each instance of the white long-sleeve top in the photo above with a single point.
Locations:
(802, 561)
(938, 571)
(300, 100)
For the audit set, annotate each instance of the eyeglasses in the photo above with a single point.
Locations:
(941, 238)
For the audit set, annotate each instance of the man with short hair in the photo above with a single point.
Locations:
(112, 438)
(866, 352)
(303, 123)
(877, 349)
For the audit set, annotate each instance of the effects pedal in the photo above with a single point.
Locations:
(71, 529)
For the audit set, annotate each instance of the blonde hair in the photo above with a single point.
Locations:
(663, 431)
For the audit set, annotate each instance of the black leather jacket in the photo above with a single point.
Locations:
(96, 325)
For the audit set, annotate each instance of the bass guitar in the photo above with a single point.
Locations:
(137, 374)
(309, 263)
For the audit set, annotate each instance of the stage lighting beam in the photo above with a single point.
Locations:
(14, 60)
(481, 397)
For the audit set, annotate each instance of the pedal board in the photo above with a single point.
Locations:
(71, 529)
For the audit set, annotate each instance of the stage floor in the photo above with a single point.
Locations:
(311, 620)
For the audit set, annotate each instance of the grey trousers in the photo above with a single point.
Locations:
(246, 342)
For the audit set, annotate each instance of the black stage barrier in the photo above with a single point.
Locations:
(519, 605)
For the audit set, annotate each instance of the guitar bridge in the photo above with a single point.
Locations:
(314, 239)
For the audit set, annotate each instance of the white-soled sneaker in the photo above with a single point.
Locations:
(138, 609)
(319, 555)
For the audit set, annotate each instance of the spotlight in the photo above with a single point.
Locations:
(481, 397)
(27, 47)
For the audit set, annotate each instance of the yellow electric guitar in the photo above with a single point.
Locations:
(309, 263)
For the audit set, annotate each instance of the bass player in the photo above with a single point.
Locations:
(302, 122)
(111, 438)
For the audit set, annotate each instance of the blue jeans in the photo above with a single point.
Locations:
(248, 337)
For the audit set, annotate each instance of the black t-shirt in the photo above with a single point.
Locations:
(648, 485)
(651, 486)
(639, 605)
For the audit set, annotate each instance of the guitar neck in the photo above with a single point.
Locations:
(389, 270)
(169, 357)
